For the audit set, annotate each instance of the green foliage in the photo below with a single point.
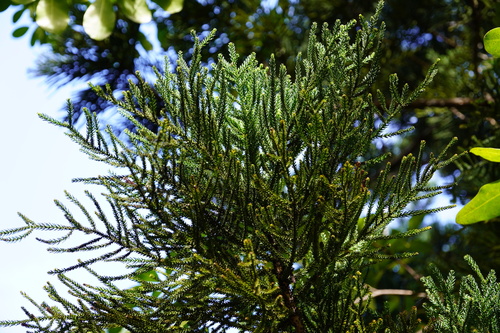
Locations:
(486, 204)
(483, 207)
(460, 103)
(492, 42)
(406, 321)
(248, 205)
(490, 154)
(475, 307)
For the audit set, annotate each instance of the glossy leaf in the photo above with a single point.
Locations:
(171, 6)
(136, 10)
(52, 15)
(99, 19)
(484, 206)
(492, 42)
(490, 154)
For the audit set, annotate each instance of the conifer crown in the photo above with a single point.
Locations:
(242, 199)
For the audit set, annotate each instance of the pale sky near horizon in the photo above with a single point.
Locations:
(37, 164)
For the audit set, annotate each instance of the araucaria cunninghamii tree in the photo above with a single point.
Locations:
(248, 206)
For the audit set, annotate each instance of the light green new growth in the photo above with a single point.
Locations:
(241, 208)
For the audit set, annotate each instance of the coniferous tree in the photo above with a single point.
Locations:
(474, 308)
(248, 205)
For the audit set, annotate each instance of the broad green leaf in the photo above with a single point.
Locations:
(99, 19)
(52, 15)
(484, 206)
(20, 31)
(136, 10)
(22, 2)
(492, 42)
(171, 6)
(490, 154)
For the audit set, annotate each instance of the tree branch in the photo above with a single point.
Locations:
(288, 298)
(374, 292)
(456, 102)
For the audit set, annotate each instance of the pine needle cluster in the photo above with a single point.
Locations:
(248, 206)
(474, 308)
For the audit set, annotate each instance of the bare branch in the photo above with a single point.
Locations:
(374, 292)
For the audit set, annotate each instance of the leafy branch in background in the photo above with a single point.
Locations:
(99, 41)
(248, 206)
(486, 204)
(99, 18)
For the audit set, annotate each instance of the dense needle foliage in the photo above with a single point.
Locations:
(473, 309)
(248, 206)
